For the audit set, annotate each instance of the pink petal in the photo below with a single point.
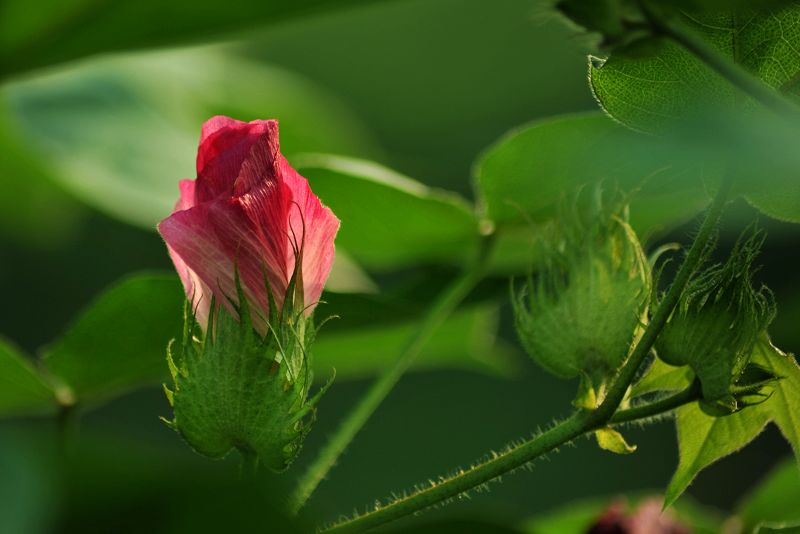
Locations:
(216, 239)
(197, 292)
(249, 211)
(224, 146)
(314, 226)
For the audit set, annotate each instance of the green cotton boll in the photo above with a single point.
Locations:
(233, 388)
(581, 313)
(717, 322)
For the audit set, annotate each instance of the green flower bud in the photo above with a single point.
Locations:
(234, 388)
(579, 315)
(717, 322)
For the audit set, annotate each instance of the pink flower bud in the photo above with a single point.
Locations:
(248, 210)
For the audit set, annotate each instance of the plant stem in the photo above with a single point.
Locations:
(733, 72)
(576, 425)
(447, 301)
(661, 406)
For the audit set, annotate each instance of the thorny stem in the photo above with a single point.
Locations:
(449, 299)
(578, 424)
(733, 72)
(661, 406)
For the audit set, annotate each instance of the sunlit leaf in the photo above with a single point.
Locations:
(612, 441)
(702, 439)
(663, 377)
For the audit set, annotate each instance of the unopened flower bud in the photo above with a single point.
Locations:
(579, 315)
(253, 246)
(717, 322)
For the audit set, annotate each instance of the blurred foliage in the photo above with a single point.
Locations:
(23, 390)
(773, 503)
(117, 132)
(58, 31)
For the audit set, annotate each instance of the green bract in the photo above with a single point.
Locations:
(717, 323)
(236, 389)
(580, 313)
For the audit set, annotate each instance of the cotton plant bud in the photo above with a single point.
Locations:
(253, 246)
(579, 314)
(716, 324)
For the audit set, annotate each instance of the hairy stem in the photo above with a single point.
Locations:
(576, 425)
(445, 304)
(659, 407)
(730, 70)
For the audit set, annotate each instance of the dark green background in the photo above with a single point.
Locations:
(434, 82)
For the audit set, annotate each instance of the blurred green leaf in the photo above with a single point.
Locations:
(120, 342)
(58, 30)
(468, 340)
(23, 391)
(523, 176)
(702, 439)
(389, 220)
(654, 92)
(774, 502)
(28, 191)
(121, 133)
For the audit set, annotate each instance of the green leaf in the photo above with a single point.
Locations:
(702, 439)
(773, 503)
(467, 340)
(663, 377)
(612, 441)
(120, 342)
(654, 92)
(389, 220)
(523, 176)
(23, 390)
(81, 27)
(784, 405)
(27, 190)
(120, 133)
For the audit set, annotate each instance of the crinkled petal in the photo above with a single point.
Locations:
(224, 146)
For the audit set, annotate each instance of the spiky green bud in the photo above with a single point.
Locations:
(717, 322)
(579, 314)
(234, 388)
